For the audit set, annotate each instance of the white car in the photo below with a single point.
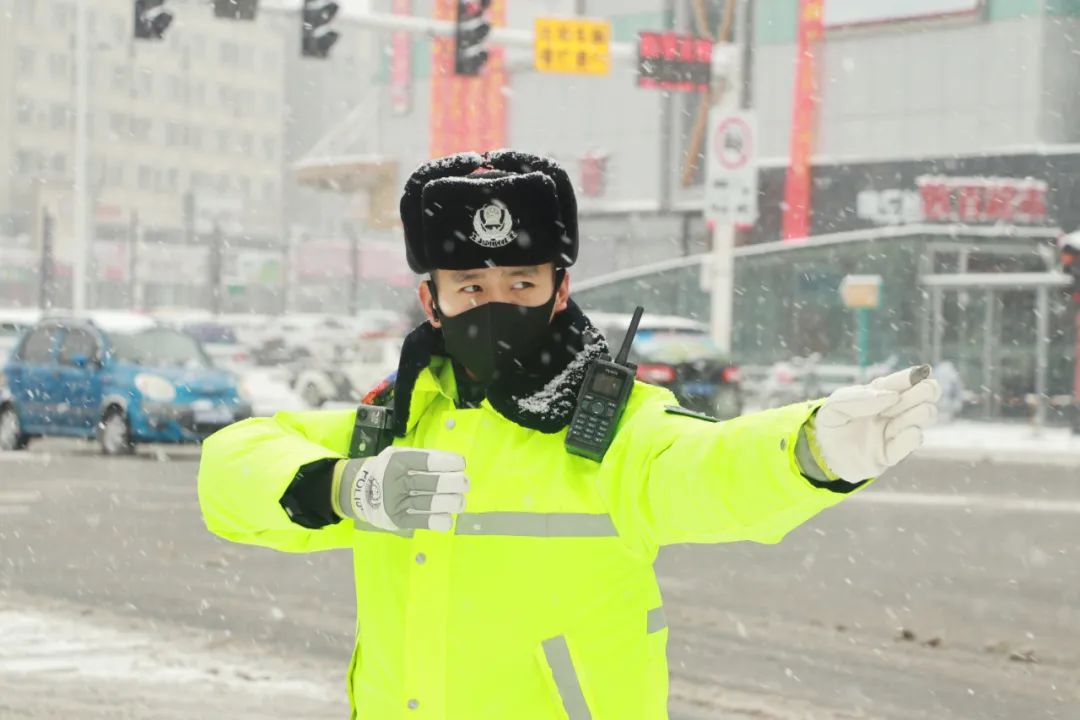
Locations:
(350, 374)
(13, 322)
(268, 390)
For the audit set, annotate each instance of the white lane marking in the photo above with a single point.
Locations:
(981, 502)
(25, 458)
(20, 496)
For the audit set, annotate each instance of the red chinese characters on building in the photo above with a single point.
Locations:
(982, 199)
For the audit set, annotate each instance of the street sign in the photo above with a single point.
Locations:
(731, 177)
(861, 291)
(582, 47)
(670, 61)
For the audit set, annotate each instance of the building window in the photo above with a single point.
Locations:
(195, 138)
(117, 124)
(270, 191)
(121, 78)
(120, 28)
(58, 66)
(26, 61)
(24, 113)
(141, 128)
(230, 53)
(146, 178)
(58, 165)
(172, 179)
(223, 141)
(270, 103)
(58, 116)
(27, 162)
(269, 148)
(61, 15)
(145, 80)
(245, 144)
(114, 176)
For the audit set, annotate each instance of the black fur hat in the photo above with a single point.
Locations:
(458, 216)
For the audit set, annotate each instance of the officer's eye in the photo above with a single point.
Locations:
(471, 289)
(523, 285)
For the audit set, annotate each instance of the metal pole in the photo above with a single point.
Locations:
(862, 319)
(937, 302)
(667, 121)
(1042, 320)
(215, 269)
(79, 224)
(45, 285)
(988, 353)
(354, 266)
(133, 261)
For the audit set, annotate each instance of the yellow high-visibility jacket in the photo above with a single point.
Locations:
(542, 602)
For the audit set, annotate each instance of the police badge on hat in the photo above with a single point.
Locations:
(493, 226)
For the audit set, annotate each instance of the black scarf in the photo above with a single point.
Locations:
(540, 394)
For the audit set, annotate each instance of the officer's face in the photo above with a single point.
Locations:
(461, 290)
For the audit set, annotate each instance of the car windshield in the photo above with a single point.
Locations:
(212, 333)
(675, 347)
(159, 347)
(10, 329)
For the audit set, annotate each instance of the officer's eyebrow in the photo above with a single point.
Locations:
(465, 275)
(529, 271)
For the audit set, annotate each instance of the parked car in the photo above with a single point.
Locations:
(121, 378)
(221, 343)
(678, 353)
(349, 375)
(269, 390)
(13, 323)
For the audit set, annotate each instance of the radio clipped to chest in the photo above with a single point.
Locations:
(602, 399)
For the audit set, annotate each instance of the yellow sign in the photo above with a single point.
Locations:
(573, 46)
(861, 291)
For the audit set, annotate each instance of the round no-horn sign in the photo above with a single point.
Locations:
(733, 143)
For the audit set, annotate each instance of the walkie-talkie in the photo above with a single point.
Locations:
(602, 399)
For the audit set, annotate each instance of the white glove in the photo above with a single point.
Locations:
(864, 429)
(401, 489)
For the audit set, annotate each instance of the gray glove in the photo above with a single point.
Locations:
(401, 489)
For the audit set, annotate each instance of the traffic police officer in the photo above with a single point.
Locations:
(497, 575)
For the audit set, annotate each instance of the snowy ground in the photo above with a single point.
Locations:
(948, 591)
(63, 661)
(1000, 442)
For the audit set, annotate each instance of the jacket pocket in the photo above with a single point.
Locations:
(558, 665)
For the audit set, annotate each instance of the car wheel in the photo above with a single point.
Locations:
(312, 395)
(114, 433)
(11, 434)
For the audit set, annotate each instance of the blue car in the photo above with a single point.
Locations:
(122, 379)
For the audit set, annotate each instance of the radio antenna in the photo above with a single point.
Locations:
(624, 351)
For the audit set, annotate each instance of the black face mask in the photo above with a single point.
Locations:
(488, 339)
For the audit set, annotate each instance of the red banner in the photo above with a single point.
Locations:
(467, 113)
(401, 63)
(797, 186)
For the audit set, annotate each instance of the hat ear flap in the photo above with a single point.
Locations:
(412, 218)
(519, 162)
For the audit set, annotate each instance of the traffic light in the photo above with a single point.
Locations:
(470, 32)
(236, 9)
(316, 37)
(151, 19)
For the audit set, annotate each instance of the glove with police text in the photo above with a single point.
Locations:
(862, 430)
(401, 489)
